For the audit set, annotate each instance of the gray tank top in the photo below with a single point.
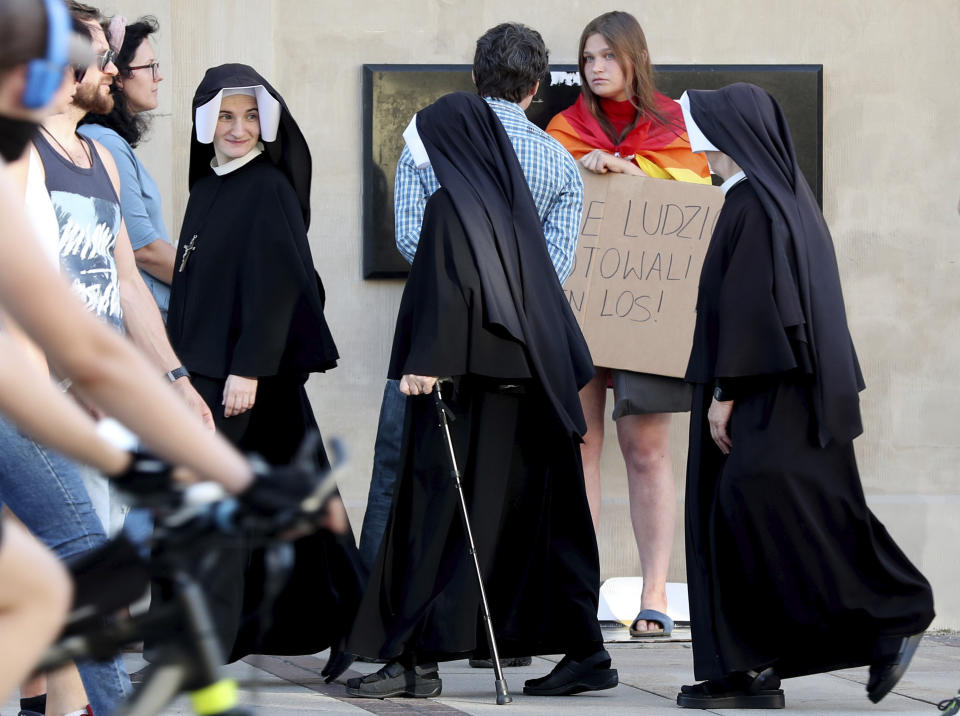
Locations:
(88, 214)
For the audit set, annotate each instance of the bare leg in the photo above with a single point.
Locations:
(65, 692)
(64, 688)
(645, 443)
(34, 598)
(593, 398)
(36, 686)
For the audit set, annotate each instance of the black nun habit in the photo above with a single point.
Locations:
(483, 304)
(247, 301)
(787, 567)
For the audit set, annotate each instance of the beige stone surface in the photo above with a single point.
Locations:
(891, 180)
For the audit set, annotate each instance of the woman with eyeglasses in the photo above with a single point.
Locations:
(135, 91)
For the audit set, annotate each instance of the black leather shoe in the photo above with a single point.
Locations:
(890, 664)
(395, 680)
(573, 677)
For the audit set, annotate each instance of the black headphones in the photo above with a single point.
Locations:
(44, 75)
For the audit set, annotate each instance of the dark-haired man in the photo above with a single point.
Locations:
(94, 248)
(509, 63)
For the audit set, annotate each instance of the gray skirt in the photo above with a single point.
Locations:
(645, 393)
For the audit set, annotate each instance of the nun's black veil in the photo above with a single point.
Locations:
(289, 152)
(746, 123)
(476, 163)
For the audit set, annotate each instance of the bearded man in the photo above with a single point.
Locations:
(93, 246)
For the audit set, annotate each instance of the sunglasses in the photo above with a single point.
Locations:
(105, 59)
(154, 69)
(101, 61)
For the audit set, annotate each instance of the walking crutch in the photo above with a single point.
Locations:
(503, 696)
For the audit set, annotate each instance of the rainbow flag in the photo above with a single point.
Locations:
(662, 151)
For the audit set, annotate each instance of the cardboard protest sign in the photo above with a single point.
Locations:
(634, 283)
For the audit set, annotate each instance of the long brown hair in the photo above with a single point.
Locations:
(625, 37)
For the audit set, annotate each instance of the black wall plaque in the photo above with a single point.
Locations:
(392, 94)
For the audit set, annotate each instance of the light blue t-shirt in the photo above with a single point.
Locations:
(139, 201)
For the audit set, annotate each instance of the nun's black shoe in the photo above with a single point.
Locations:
(395, 679)
(892, 657)
(742, 690)
(573, 677)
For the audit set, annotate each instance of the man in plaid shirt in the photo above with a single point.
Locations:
(509, 63)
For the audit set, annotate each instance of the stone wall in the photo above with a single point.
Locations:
(891, 180)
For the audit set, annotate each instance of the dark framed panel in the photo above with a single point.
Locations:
(392, 94)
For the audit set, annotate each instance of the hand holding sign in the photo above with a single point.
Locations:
(601, 162)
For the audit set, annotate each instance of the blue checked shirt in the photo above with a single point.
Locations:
(550, 171)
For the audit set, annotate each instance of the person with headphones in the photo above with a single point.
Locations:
(41, 487)
(34, 588)
(105, 369)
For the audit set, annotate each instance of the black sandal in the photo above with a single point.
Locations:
(742, 690)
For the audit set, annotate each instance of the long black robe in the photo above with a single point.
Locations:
(786, 564)
(521, 473)
(483, 304)
(250, 303)
(246, 304)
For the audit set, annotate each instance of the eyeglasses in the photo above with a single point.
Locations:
(105, 59)
(154, 68)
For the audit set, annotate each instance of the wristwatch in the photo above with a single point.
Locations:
(178, 372)
(719, 395)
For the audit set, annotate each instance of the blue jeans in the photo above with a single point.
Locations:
(386, 465)
(45, 491)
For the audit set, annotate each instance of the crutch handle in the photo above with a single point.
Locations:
(443, 411)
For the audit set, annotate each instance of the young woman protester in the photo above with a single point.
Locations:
(621, 124)
(790, 573)
(246, 317)
(135, 92)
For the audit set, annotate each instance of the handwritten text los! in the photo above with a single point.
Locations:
(690, 222)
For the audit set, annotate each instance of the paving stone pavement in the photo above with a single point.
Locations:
(650, 675)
